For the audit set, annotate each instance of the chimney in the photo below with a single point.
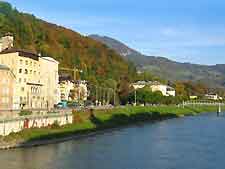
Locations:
(6, 42)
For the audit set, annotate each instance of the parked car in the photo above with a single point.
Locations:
(62, 105)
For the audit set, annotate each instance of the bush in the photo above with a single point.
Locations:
(55, 125)
(25, 113)
(76, 117)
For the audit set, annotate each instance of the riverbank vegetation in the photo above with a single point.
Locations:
(96, 120)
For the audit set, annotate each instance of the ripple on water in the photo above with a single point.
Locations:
(187, 143)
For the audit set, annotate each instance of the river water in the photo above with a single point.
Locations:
(185, 143)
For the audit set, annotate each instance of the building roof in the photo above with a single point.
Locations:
(50, 59)
(4, 67)
(22, 53)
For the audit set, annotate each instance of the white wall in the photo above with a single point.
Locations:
(18, 124)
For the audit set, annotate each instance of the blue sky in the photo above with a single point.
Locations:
(185, 31)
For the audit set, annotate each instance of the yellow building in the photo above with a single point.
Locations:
(36, 79)
(6, 88)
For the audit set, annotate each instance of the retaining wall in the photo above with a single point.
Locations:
(8, 126)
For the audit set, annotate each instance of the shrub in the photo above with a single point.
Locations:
(55, 125)
(25, 113)
(76, 117)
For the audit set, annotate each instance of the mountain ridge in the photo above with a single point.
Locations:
(212, 75)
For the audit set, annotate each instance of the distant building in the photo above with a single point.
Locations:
(193, 97)
(81, 90)
(155, 86)
(213, 96)
(139, 84)
(36, 85)
(65, 89)
(7, 81)
(6, 42)
(73, 91)
(164, 89)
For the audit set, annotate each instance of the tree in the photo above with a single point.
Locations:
(180, 89)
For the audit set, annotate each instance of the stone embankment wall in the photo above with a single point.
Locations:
(8, 126)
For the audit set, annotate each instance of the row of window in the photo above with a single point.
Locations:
(5, 91)
(27, 63)
(26, 80)
(26, 71)
(4, 100)
(34, 90)
(24, 99)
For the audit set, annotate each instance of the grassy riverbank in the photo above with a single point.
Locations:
(87, 122)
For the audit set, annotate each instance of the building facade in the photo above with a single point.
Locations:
(155, 86)
(36, 79)
(6, 42)
(65, 89)
(164, 89)
(6, 88)
(213, 96)
(73, 91)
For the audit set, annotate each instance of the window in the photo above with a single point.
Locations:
(20, 71)
(34, 72)
(26, 62)
(26, 71)
(21, 61)
(22, 89)
(3, 81)
(20, 80)
(5, 100)
(5, 91)
(30, 63)
(25, 80)
(30, 71)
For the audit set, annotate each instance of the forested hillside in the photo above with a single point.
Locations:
(212, 76)
(71, 49)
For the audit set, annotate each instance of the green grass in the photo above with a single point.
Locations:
(105, 119)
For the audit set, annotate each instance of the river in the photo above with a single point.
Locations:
(185, 143)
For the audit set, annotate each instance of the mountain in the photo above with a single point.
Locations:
(70, 48)
(122, 49)
(213, 76)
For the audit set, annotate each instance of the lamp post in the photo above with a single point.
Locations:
(75, 70)
(135, 97)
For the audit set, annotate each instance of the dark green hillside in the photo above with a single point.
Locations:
(97, 61)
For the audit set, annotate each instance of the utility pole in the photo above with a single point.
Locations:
(135, 97)
(96, 100)
(74, 74)
(114, 97)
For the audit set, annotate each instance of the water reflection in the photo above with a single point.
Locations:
(188, 143)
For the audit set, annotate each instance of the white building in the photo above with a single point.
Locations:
(139, 85)
(155, 86)
(213, 96)
(73, 91)
(65, 89)
(81, 90)
(164, 89)
(6, 42)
